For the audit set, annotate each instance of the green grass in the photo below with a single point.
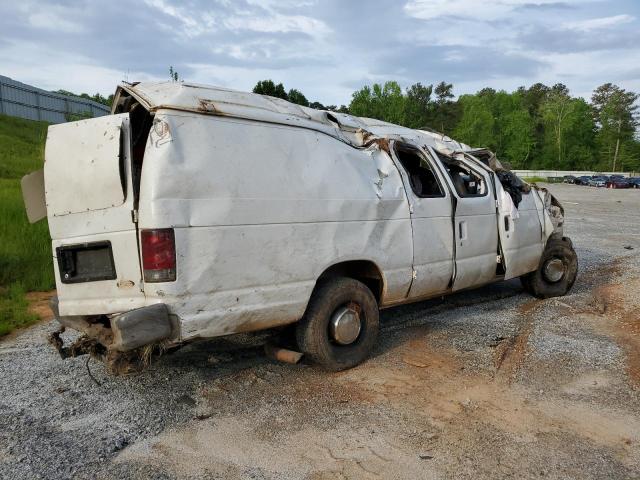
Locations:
(534, 179)
(25, 249)
(21, 146)
(13, 309)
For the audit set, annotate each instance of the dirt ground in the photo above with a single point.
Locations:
(484, 384)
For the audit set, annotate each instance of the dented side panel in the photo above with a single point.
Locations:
(260, 211)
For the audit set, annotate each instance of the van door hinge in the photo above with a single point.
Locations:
(499, 259)
(414, 274)
(134, 216)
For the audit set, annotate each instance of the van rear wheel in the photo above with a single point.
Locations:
(340, 326)
(556, 272)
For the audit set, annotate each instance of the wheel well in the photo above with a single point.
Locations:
(364, 271)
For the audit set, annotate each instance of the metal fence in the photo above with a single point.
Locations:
(21, 100)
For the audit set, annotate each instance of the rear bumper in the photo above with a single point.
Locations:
(123, 332)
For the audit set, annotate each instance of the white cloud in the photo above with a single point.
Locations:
(270, 4)
(278, 23)
(61, 70)
(598, 23)
(191, 25)
(50, 20)
(478, 9)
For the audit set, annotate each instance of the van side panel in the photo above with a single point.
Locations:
(260, 211)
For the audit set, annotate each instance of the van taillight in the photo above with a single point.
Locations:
(158, 255)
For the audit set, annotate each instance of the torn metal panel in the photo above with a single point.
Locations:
(249, 207)
(32, 186)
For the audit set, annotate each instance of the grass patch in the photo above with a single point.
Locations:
(14, 311)
(535, 179)
(25, 249)
(21, 146)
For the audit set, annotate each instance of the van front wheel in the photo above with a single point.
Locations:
(340, 326)
(556, 272)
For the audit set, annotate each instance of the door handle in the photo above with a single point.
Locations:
(462, 230)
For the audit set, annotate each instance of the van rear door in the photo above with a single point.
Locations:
(90, 208)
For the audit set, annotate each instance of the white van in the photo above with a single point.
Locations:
(194, 212)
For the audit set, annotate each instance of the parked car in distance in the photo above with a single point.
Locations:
(582, 180)
(618, 182)
(598, 182)
(569, 179)
(634, 182)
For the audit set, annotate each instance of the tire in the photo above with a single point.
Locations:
(313, 332)
(537, 282)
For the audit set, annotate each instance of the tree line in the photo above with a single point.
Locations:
(540, 127)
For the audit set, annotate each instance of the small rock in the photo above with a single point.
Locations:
(187, 400)
(425, 457)
(120, 443)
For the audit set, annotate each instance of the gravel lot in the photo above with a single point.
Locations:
(484, 384)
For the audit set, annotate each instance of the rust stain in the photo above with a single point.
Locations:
(382, 143)
(206, 106)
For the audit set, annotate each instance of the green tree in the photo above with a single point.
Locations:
(267, 87)
(615, 112)
(296, 96)
(446, 112)
(532, 99)
(96, 98)
(418, 106)
(499, 121)
(556, 111)
(384, 102)
(476, 122)
(569, 131)
(173, 74)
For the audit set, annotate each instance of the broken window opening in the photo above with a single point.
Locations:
(466, 181)
(141, 121)
(422, 178)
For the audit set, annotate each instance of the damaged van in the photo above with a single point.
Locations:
(195, 212)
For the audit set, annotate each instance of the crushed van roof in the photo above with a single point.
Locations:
(211, 100)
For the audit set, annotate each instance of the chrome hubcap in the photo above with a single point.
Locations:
(345, 324)
(554, 270)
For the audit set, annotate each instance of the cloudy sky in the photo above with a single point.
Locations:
(325, 48)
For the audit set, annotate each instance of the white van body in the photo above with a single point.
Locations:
(264, 198)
